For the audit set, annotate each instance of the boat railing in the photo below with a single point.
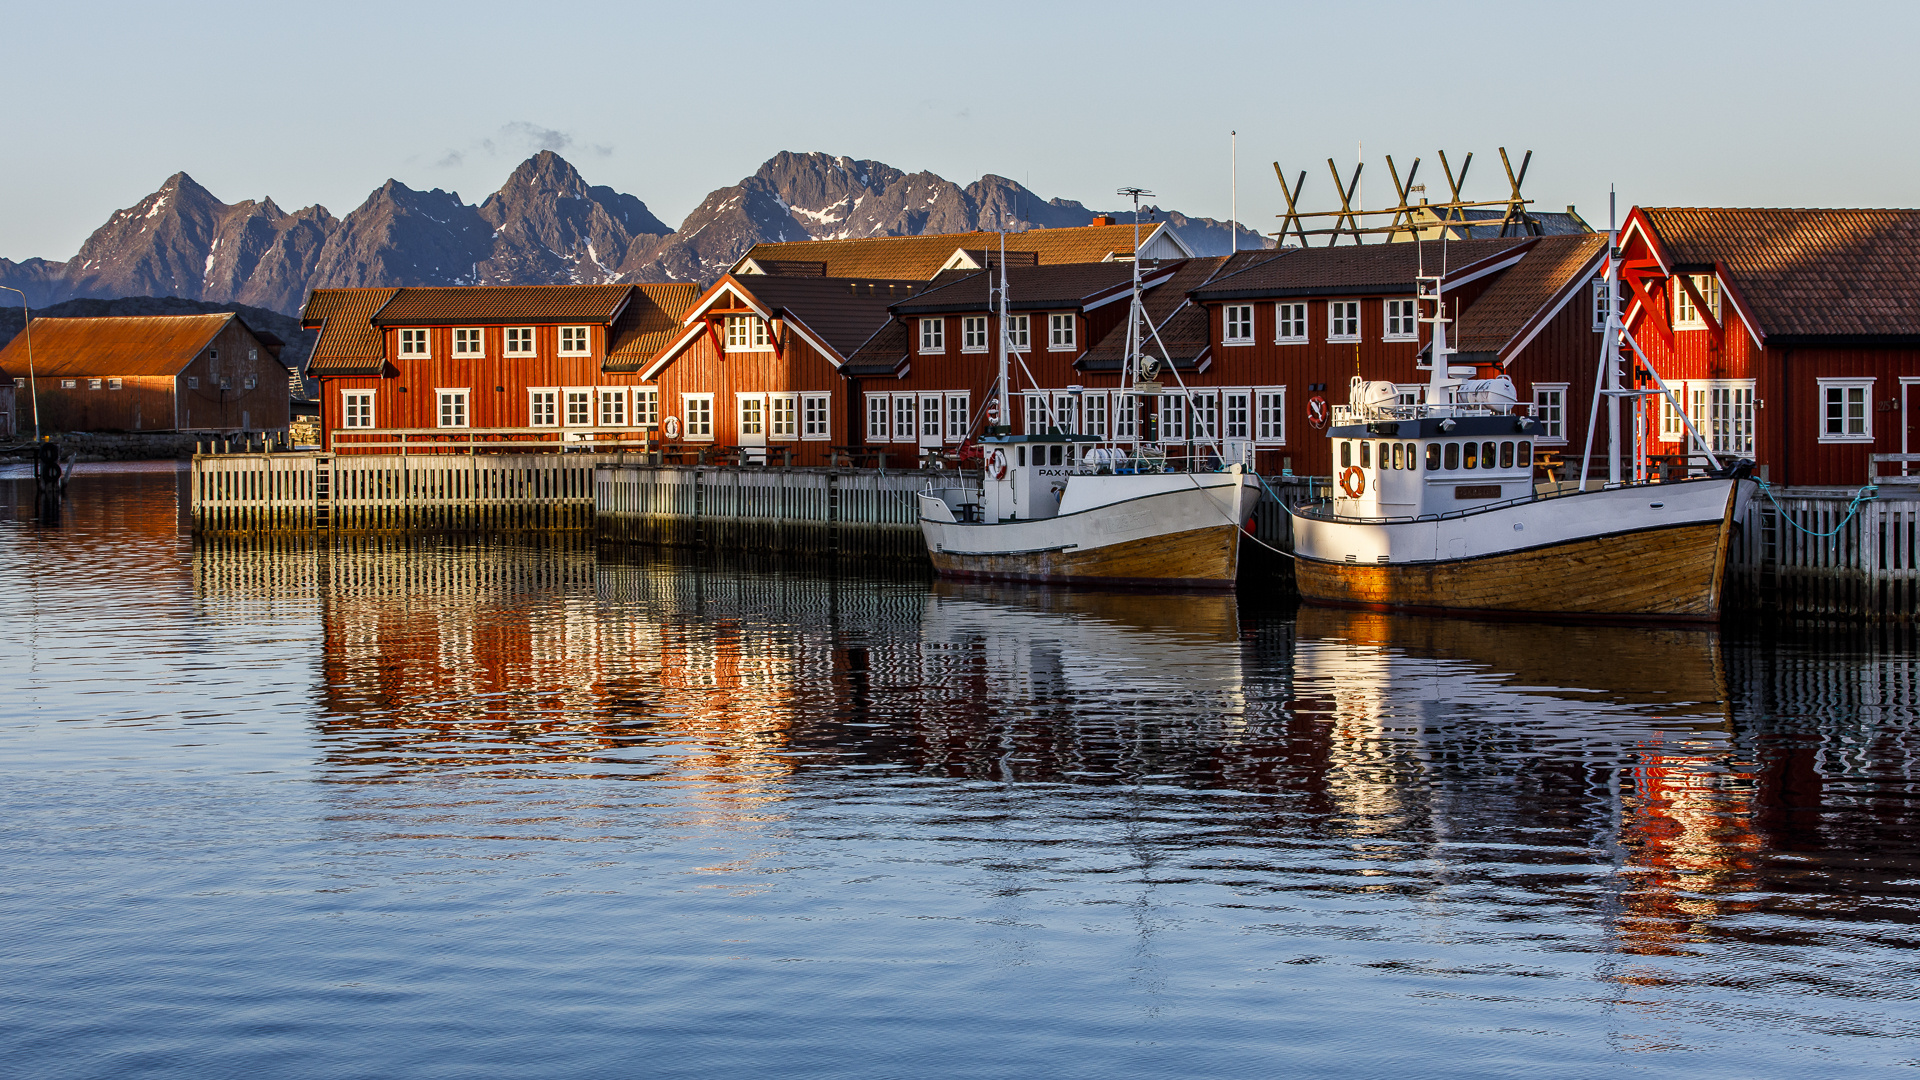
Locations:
(1323, 510)
(1358, 414)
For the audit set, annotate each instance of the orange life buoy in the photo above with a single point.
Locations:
(997, 464)
(1353, 482)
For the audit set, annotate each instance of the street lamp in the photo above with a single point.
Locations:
(33, 385)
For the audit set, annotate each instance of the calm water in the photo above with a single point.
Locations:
(439, 808)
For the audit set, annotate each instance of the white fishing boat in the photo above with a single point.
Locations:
(1056, 506)
(1435, 508)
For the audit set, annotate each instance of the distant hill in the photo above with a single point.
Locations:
(545, 226)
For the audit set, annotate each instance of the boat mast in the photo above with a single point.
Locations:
(1610, 347)
(1004, 402)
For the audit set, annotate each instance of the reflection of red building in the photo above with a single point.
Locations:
(1689, 827)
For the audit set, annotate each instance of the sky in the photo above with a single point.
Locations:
(1747, 104)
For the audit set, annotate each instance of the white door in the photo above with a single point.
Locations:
(932, 408)
(751, 411)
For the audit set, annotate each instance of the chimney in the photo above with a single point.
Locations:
(1103, 219)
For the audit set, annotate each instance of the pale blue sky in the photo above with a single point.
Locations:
(1677, 103)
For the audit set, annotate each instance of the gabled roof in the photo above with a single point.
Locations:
(1526, 296)
(1359, 269)
(881, 354)
(122, 345)
(1805, 276)
(1035, 288)
(1180, 324)
(917, 258)
(478, 304)
(349, 344)
(834, 315)
(647, 324)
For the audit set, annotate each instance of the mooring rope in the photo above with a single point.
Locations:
(1867, 493)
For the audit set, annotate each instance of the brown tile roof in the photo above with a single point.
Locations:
(648, 322)
(1030, 288)
(1354, 270)
(881, 354)
(113, 345)
(504, 304)
(1181, 324)
(1834, 274)
(916, 258)
(349, 344)
(843, 312)
(1526, 294)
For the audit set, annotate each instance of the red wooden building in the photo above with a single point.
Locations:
(920, 258)
(1791, 336)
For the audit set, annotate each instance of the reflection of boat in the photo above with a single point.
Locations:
(1436, 508)
(1056, 506)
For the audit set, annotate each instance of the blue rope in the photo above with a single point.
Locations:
(1869, 493)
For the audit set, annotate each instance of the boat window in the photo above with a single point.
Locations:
(1486, 455)
(1366, 454)
(1022, 455)
(1433, 456)
(1395, 460)
(1069, 454)
(1055, 453)
(1526, 455)
(1506, 455)
(1453, 455)
(1471, 460)
(1346, 453)
(1413, 455)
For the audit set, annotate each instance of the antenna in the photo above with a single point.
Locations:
(1233, 214)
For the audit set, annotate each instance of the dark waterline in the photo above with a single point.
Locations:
(463, 808)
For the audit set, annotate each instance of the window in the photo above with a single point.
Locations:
(20, 382)
(1671, 427)
(193, 382)
(959, 416)
(813, 416)
(1173, 418)
(930, 417)
(1270, 416)
(356, 408)
(1846, 410)
(543, 408)
(1550, 411)
(1093, 420)
(466, 342)
(1037, 414)
(933, 335)
(747, 333)
(1066, 411)
(879, 418)
(579, 402)
(1290, 323)
(1400, 321)
(114, 384)
(1205, 425)
(573, 341)
(699, 416)
(646, 407)
(1343, 320)
(1126, 416)
(906, 417)
(783, 421)
(613, 407)
(1059, 332)
(1017, 336)
(251, 382)
(413, 343)
(753, 419)
(95, 384)
(973, 333)
(519, 341)
(1686, 316)
(1600, 304)
(1239, 322)
(1238, 406)
(453, 408)
(1723, 411)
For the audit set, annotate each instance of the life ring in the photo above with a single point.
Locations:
(996, 464)
(671, 427)
(1353, 482)
(1317, 412)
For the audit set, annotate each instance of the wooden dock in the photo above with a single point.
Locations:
(802, 511)
(1826, 556)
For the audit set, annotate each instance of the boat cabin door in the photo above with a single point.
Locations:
(751, 432)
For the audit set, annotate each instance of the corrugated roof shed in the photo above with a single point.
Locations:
(1820, 274)
(1527, 292)
(478, 304)
(113, 345)
(648, 322)
(1342, 271)
(916, 258)
(349, 344)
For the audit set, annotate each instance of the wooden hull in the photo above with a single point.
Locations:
(1669, 574)
(1195, 558)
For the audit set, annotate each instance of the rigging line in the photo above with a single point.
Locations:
(1868, 493)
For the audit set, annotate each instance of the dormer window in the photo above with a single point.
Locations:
(413, 343)
(573, 341)
(933, 335)
(1686, 314)
(1239, 324)
(746, 333)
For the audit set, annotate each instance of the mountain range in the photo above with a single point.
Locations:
(546, 225)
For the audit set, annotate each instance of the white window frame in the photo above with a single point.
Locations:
(1599, 289)
(1096, 413)
(575, 341)
(816, 411)
(699, 421)
(1062, 332)
(1066, 410)
(1020, 332)
(95, 384)
(973, 333)
(1270, 416)
(1236, 324)
(348, 399)
(1126, 416)
(879, 418)
(461, 397)
(959, 405)
(469, 341)
(1174, 408)
(571, 396)
(1551, 432)
(1240, 428)
(1343, 312)
(610, 405)
(414, 344)
(534, 403)
(1684, 315)
(1831, 386)
(906, 418)
(933, 335)
(1671, 428)
(1400, 320)
(646, 406)
(519, 341)
(114, 384)
(750, 412)
(746, 333)
(1203, 417)
(783, 417)
(1728, 434)
(1033, 413)
(1290, 323)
